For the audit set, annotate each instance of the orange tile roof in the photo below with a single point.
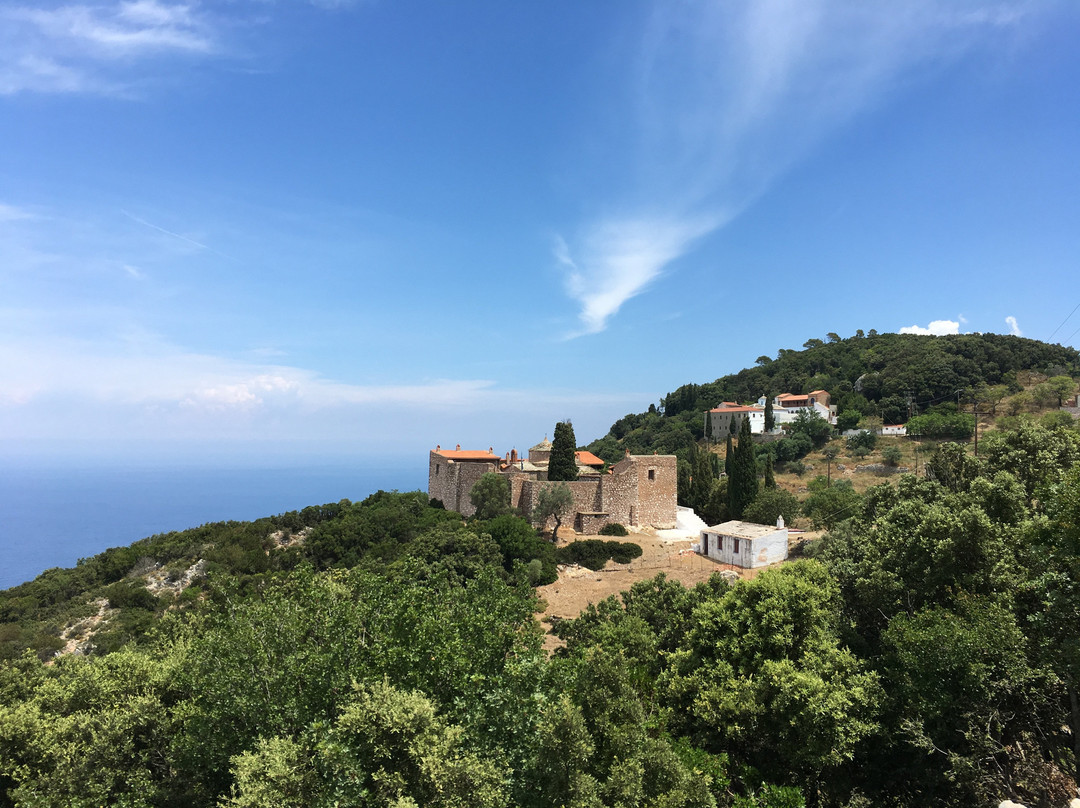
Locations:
(786, 396)
(738, 409)
(459, 454)
(817, 392)
(588, 459)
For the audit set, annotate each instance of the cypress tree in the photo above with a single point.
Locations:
(562, 465)
(702, 484)
(727, 457)
(770, 480)
(743, 481)
(708, 426)
(770, 419)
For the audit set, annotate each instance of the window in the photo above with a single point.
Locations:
(437, 467)
(652, 474)
(735, 546)
(719, 543)
(705, 544)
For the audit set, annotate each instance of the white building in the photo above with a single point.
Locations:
(728, 417)
(745, 544)
(787, 406)
(893, 429)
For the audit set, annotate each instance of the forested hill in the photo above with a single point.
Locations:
(876, 374)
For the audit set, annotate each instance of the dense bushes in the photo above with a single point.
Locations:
(872, 374)
(614, 529)
(400, 533)
(941, 424)
(595, 553)
(863, 439)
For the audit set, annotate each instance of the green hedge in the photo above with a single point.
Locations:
(595, 553)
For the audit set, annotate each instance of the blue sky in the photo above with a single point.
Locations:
(258, 230)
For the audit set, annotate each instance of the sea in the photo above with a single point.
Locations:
(53, 516)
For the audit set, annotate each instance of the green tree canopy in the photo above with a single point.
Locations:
(742, 479)
(563, 464)
(554, 502)
(490, 495)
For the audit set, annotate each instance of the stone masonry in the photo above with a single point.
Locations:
(638, 491)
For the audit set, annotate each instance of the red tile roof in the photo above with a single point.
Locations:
(819, 392)
(738, 409)
(588, 459)
(459, 454)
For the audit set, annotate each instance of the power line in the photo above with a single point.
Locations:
(1071, 313)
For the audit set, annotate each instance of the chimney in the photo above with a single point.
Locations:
(779, 521)
(438, 448)
(458, 448)
(513, 455)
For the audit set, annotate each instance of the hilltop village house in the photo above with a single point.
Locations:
(745, 544)
(728, 417)
(639, 490)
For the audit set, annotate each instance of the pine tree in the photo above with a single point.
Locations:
(743, 481)
(562, 464)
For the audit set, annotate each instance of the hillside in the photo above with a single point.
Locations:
(387, 652)
(889, 376)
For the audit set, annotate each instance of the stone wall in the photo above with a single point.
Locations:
(452, 480)
(657, 490)
(586, 497)
(640, 491)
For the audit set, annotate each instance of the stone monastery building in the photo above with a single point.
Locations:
(728, 417)
(639, 490)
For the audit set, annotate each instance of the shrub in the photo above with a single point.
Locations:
(891, 455)
(614, 529)
(490, 495)
(771, 503)
(942, 425)
(595, 553)
(793, 447)
(828, 506)
(863, 439)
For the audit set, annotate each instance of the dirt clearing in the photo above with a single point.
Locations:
(577, 587)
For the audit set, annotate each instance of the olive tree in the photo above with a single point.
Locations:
(554, 502)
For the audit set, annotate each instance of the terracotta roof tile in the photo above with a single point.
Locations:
(588, 459)
(459, 454)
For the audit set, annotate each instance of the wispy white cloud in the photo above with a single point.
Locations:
(122, 29)
(138, 368)
(179, 236)
(96, 47)
(620, 258)
(937, 328)
(140, 388)
(1014, 327)
(729, 96)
